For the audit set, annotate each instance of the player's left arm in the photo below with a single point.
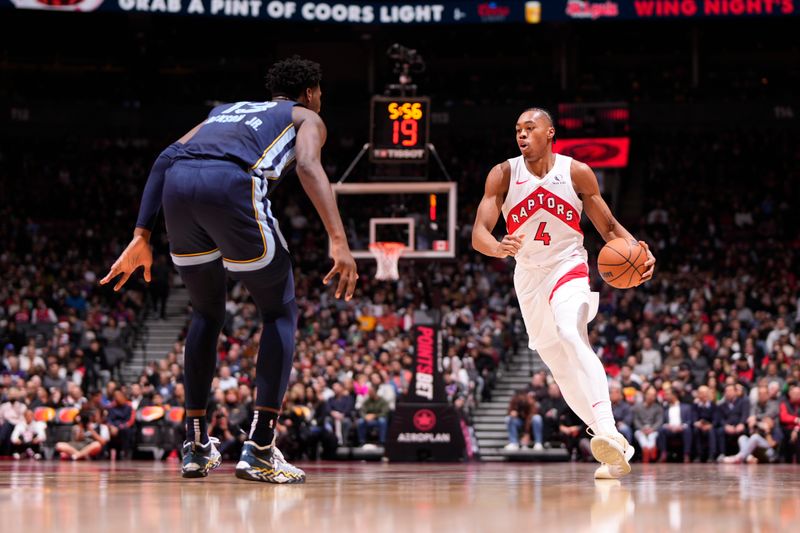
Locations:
(585, 183)
(137, 253)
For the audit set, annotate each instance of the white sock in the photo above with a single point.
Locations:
(570, 305)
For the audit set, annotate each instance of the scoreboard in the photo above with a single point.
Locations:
(399, 129)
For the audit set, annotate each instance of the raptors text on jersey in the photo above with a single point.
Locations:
(547, 211)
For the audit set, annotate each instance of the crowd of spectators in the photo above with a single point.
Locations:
(353, 359)
(64, 337)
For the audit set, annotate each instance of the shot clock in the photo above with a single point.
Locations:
(399, 129)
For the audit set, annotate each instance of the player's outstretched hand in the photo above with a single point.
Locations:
(650, 264)
(510, 245)
(345, 266)
(137, 254)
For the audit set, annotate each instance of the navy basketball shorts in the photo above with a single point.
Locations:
(215, 209)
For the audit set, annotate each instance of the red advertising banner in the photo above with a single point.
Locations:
(597, 152)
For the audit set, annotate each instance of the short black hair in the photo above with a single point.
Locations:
(543, 111)
(291, 76)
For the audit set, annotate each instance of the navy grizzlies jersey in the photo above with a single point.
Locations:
(259, 136)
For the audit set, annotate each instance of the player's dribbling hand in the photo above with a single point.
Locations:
(650, 264)
(137, 254)
(510, 245)
(345, 266)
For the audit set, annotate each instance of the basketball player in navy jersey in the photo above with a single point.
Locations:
(213, 185)
(541, 196)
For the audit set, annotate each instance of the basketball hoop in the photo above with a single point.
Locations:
(387, 254)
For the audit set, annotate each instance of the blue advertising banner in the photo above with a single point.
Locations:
(445, 12)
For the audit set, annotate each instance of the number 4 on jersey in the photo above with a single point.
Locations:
(542, 235)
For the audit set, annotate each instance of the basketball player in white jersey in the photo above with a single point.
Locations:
(541, 196)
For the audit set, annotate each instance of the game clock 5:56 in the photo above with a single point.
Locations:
(399, 129)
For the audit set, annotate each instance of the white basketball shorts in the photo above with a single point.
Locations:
(535, 289)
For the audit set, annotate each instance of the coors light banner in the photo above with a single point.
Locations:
(445, 12)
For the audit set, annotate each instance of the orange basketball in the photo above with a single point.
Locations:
(621, 263)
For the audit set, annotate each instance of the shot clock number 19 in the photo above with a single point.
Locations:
(405, 122)
(399, 131)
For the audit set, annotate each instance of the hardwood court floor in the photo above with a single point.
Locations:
(371, 497)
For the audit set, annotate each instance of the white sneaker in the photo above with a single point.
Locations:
(511, 447)
(538, 447)
(612, 451)
(606, 471)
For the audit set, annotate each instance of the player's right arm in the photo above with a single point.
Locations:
(489, 211)
(311, 135)
(137, 253)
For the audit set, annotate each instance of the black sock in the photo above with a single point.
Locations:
(262, 430)
(197, 429)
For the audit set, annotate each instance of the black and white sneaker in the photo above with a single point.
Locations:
(200, 459)
(266, 464)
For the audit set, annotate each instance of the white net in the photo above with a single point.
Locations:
(387, 255)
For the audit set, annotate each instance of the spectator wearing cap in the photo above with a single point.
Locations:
(8, 351)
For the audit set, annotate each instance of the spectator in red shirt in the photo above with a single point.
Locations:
(790, 422)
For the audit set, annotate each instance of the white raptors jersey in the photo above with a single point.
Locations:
(547, 211)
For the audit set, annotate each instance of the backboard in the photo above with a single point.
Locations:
(420, 214)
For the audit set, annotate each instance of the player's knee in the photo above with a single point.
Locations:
(212, 317)
(274, 312)
(560, 372)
